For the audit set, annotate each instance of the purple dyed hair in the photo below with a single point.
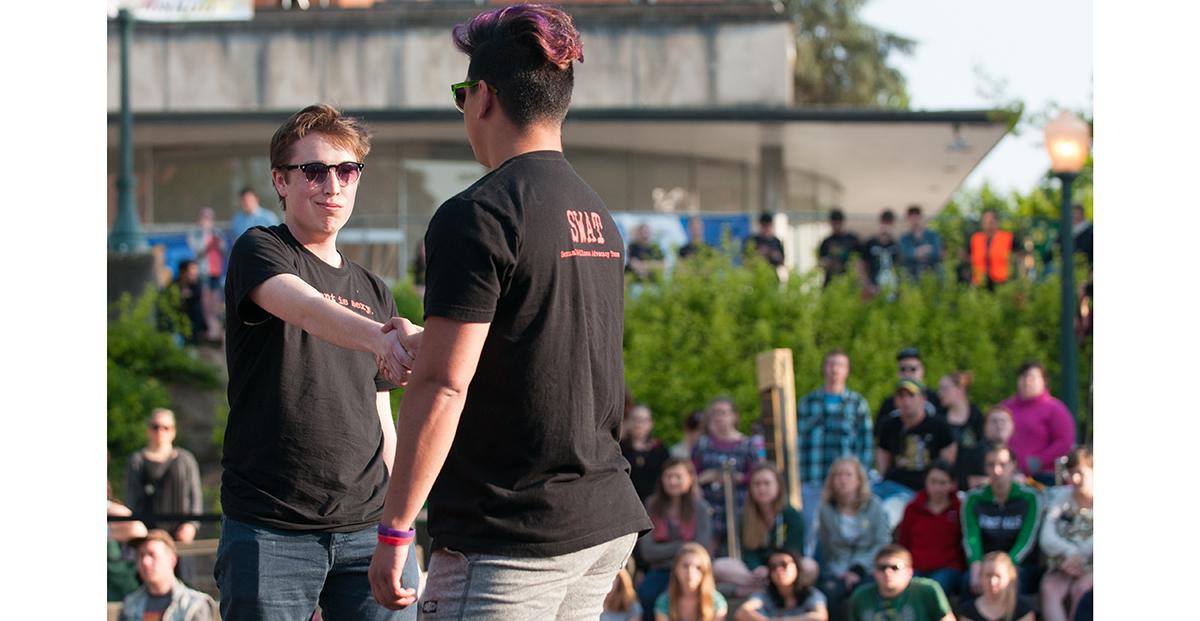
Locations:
(550, 30)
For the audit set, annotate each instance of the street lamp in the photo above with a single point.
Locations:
(126, 236)
(1068, 139)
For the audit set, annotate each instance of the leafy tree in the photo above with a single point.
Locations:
(842, 60)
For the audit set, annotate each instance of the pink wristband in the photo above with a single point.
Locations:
(395, 541)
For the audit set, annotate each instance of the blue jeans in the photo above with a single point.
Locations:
(895, 497)
(271, 574)
(947, 577)
(810, 495)
(653, 584)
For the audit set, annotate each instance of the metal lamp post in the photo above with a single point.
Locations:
(1068, 139)
(126, 236)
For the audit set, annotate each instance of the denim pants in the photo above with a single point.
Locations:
(653, 584)
(472, 586)
(276, 575)
(948, 578)
(810, 495)
(895, 497)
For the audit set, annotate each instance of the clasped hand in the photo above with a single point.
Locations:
(398, 353)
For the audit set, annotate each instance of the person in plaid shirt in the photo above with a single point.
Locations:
(831, 422)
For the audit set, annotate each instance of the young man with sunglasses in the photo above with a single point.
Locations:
(310, 438)
(531, 508)
(896, 594)
(909, 366)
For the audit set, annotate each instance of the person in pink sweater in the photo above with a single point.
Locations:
(1043, 428)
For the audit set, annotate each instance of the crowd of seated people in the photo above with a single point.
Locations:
(987, 530)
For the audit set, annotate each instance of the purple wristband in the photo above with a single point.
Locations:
(391, 532)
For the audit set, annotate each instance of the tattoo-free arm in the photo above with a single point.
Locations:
(296, 302)
(429, 415)
(383, 404)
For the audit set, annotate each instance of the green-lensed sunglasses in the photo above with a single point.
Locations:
(460, 92)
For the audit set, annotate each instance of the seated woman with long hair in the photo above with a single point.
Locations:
(965, 420)
(931, 529)
(789, 595)
(1067, 539)
(851, 528)
(621, 602)
(767, 522)
(1000, 599)
(680, 516)
(692, 594)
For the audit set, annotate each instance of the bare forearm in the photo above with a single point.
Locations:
(883, 460)
(296, 302)
(383, 404)
(340, 326)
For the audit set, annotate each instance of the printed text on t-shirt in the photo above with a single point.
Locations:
(586, 227)
(355, 304)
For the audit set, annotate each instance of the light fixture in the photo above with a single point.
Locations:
(1067, 140)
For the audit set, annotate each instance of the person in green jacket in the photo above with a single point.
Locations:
(767, 521)
(1002, 515)
(896, 594)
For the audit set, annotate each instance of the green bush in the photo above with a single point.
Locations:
(408, 302)
(143, 355)
(696, 335)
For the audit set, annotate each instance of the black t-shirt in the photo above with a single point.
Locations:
(971, 445)
(912, 450)
(692, 248)
(933, 406)
(768, 247)
(968, 610)
(838, 247)
(535, 468)
(883, 259)
(644, 466)
(303, 447)
(645, 252)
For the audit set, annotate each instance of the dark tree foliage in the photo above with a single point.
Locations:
(841, 60)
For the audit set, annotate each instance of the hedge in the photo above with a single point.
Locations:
(696, 335)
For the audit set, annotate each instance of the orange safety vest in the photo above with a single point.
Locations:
(992, 261)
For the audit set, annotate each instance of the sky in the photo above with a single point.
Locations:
(1039, 50)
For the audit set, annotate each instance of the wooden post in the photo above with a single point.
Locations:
(731, 535)
(777, 396)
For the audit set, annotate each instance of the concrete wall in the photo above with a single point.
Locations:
(628, 64)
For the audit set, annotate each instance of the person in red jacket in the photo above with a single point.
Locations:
(932, 531)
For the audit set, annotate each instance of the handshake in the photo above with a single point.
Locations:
(396, 352)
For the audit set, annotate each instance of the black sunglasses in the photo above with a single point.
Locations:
(318, 172)
(156, 427)
(780, 564)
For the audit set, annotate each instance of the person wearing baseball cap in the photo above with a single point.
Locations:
(162, 595)
(909, 365)
(906, 444)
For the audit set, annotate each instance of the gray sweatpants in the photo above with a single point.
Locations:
(473, 586)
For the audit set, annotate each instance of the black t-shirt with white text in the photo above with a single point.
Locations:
(883, 259)
(912, 450)
(303, 446)
(535, 468)
(838, 247)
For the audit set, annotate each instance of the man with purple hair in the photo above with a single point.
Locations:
(510, 422)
